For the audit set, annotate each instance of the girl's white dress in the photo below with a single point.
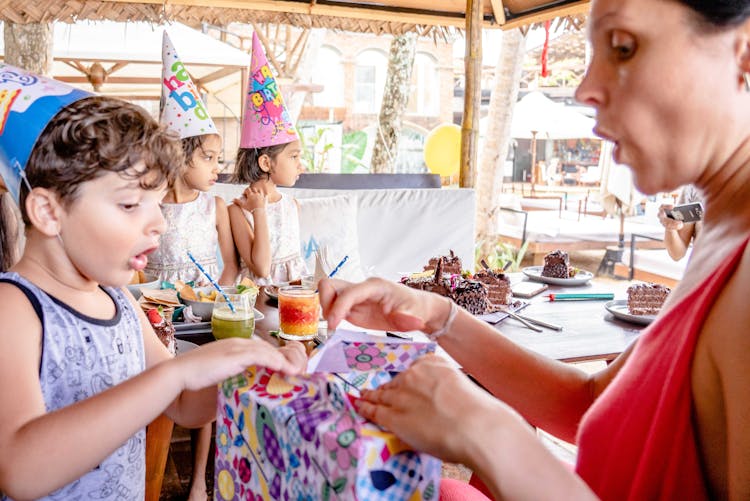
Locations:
(283, 231)
(191, 227)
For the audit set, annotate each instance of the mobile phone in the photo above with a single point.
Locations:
(528, 289)
(688, 213)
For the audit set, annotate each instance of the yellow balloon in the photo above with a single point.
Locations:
(442, 149)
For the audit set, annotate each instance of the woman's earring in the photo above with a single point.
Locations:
(746, 78)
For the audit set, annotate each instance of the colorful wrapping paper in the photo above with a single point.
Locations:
(299, 438)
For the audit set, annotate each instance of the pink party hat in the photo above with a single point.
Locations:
(267, 121)
(181, 107)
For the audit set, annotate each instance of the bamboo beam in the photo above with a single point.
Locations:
(472, 94)
(571, 9)
(498, 10)
(111, 80)
(215, 75)
(365, 12)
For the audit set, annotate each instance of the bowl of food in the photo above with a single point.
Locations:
(142, 281)
(201, 299)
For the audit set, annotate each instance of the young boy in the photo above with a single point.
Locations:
(82, 370)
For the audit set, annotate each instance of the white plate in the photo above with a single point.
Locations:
(619, 308)
(493, 318)
(184, 346)
(535, 273)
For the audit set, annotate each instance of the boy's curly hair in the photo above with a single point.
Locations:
(96, 135)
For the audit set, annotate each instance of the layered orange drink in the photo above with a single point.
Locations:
(299, 309)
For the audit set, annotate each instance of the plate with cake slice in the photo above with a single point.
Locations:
(619, 309)
(577, 277)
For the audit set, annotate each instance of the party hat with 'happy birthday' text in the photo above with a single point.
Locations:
(181, 107)
(267, 121)
(27, 104)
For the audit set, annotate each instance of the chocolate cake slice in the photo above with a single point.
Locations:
(472, 296)
(451, 264)
(498, 286)
(646, 299)
(556, 265)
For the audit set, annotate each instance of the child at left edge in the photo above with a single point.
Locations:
(196, 222)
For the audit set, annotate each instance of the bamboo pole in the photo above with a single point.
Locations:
(472, 94)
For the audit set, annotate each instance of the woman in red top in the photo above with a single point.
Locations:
(670, 418)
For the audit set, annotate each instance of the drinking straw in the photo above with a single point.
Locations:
(582, 296)
(338, 267)
(213, 282)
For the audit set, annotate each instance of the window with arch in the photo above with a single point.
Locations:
(369, 80)
(332, 79)
(424, 97)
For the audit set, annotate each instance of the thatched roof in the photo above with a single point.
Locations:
(427, 17)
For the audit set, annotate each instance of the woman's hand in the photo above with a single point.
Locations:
(295, 353)
(381, 304)
(214, 362)
(668, 222)
(431, 395)
(252, 198)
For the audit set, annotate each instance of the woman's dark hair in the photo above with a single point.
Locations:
(247, 166)
(191, 144)
(8, 233)
(719, 13)
(96, 135)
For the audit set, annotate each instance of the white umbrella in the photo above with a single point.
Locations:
(536, 116)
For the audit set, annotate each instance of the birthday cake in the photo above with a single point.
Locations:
(483, 293)
(646, 299)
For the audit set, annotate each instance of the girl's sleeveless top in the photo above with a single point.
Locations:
(190, 227)
(82, 356)
(638, 441)
(283, 230)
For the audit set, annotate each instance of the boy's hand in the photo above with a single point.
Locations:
(214, 362)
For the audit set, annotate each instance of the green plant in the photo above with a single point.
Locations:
(353, 149)
(315, 151)
(498, 254)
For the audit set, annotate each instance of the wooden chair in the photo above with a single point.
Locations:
(158, 437)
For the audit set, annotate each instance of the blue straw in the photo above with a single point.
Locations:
(338, 267)
(213, 282)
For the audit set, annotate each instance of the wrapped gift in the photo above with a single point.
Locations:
(299, 438)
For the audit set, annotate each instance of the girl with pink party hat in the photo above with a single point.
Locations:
(265, 223)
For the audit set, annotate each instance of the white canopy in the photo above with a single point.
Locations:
(131, 54)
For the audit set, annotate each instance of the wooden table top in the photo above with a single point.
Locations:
(589, 332)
